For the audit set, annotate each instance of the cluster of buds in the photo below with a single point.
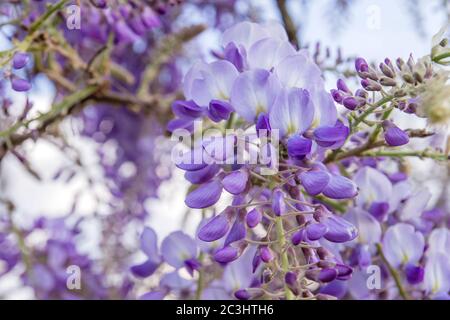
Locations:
(399, 81)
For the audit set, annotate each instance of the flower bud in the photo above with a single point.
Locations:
(361, 65)
(226, 254)
(253, 218)
(388, 72)
(370, 85)
(266, 254)
(242, 294)
(388, 82)
(393, 135)
(20, 60)
(20, 85)
(341, 85)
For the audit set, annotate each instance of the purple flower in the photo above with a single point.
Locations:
(339, 229)
(314, 181)
(393, 135)
(437, 274)
(215, 229)
(179, 250)
(149, 246)
(235, 182)
(373, 185)
(292, 112)
(369, 229)
(268, 53)
(327, 274)
(315, 231)
(187, 109)
(226, 254)
(253, 218)
(242, 294)
(205, 195)
(20, 60)
(21, 85)
(331, 136)
(266, 254)
(361, 65)
(206, 82)
(203, 175)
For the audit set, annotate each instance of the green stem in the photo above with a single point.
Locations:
(393, 272)
(400, 154)
(52, 9)
(284, 257)
(366, 113)
(64, 105)
(335, 205)
(26, 43)
(200, 280)
(373, 137)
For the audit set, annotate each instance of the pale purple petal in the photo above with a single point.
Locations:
(369, 229)
(292, 112)
(402, 244)
(267, 53)
(373, 186)
(315, 231)
(299, 71)
(315, 181)
(203, 175)
(254, 92)
(340, 187)
(437, 274)
(298, 146)
(149, 244)
(178, 247)
(415, 205)
(237, 232)
(439, 241)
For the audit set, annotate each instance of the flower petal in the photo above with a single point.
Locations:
(402, 244)
(215, 229)
(205, 195)
(340, 187)
(178, 247)
(236, 181)
(254, 92)
(315, 181)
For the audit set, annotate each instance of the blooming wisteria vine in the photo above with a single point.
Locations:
(298, 191)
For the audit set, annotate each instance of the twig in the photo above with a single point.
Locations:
(288, 23)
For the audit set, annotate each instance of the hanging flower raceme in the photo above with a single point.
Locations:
(280, 123)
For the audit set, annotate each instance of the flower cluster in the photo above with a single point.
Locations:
(262, 85)
(291, 221)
